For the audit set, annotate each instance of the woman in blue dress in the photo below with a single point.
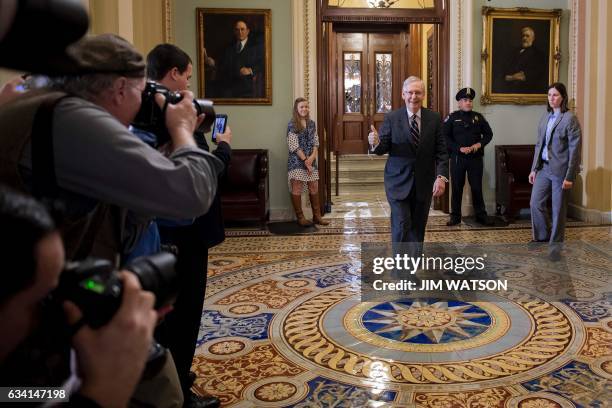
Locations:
(303, 145)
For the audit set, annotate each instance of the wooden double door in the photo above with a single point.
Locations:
(369, 68)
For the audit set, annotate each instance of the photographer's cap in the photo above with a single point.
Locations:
(107, 53)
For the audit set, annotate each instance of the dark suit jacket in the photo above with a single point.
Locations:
(564, 147)
(408, 167)
(235, 84)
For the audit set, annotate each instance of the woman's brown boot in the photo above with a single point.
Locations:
(296, 200)
(316, 210)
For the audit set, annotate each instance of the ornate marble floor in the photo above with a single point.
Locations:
(283, 326)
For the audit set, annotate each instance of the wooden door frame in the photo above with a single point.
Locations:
(326, 17)
(398, 47)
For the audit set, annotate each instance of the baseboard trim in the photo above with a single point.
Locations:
(281, 214)
(589, 215)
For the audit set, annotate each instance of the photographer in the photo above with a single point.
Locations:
(32, 252)
(74, 145)
(171, 67)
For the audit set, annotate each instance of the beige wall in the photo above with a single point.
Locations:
(256, 126)
(138, 21)
(594, 83)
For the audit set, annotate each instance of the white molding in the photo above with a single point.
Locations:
(304, 68)
(454, 55)
(168, 23)
(281, 214)
(586, 125)
(573, 54)
(461, 48)
(468, 43)
(589, 215)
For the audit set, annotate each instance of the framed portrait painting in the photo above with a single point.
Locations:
(520, 54)
(234, 56)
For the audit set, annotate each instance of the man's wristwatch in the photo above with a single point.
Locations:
(444, 179)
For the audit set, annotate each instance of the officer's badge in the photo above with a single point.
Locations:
(476, 118)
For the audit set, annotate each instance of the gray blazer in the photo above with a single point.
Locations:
(408, 167)
(564, 147)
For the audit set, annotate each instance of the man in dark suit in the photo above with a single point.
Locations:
(527, 71)
(417, 167)
(240, 70)
(171, 67)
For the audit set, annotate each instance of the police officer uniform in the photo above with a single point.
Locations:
(464, 129)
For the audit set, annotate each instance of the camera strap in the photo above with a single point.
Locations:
(44, 182)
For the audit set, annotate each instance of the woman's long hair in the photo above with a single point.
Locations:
(563, 91)
(297, 122)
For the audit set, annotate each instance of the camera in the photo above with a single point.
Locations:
(95, 287)
(152, 118)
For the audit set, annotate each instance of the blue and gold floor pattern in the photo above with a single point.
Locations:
(283, 326)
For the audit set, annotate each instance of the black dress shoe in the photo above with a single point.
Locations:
(485, 220)
(453, 221)
(196, 401)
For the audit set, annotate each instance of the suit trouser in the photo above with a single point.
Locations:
(409, 218)
(179, 331)
(547, 185)
(473, 166)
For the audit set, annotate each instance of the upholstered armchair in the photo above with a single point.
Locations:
(512, 188)
(244, 189)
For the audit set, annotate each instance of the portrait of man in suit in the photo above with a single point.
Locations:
(233, 55)
(522, 69)
(417, 166)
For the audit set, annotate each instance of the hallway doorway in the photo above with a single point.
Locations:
(366, 85)
(363, 56)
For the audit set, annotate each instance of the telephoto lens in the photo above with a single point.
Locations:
(156, 274)
(95, 287)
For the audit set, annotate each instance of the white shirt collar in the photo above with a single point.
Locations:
(418, 114)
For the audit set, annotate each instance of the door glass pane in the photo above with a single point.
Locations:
(383, 82)
(400, 4)
(352, 82)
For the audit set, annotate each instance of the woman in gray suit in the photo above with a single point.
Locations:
(554, 168)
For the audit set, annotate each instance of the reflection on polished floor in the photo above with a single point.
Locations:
(283, 325)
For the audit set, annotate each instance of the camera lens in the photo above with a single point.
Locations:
(156, 274)
(205, 106)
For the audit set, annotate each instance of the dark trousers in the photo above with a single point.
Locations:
(472, 165)
(409, 218)
(179, 331)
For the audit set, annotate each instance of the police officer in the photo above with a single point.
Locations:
(467, 133)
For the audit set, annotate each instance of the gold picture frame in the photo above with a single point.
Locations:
(520, 54)
(231, 73)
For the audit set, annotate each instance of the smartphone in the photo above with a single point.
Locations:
(220, 124)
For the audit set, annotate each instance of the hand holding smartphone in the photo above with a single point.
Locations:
(220, 124)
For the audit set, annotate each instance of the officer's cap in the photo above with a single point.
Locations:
(107, 53)
(465, 93)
